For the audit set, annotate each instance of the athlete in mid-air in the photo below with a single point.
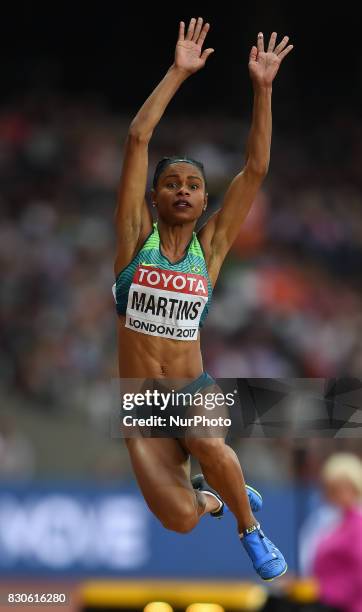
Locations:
(165, 274)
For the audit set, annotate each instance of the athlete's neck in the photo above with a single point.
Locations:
(174, 239)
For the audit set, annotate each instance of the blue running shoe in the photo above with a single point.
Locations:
(267, 560)
(255, 499)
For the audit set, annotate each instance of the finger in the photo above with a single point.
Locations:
(206, 54)
(253, 54)
(271, 44)
(285, 52)
(197, 29)
(181, 31)
(190, 29)
(260, 43)
(203, 34)
(281, 45)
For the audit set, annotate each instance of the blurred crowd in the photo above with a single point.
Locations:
(289, 298)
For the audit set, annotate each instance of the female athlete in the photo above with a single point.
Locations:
(165, 274)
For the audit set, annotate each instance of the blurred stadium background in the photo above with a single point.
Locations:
(288, 302)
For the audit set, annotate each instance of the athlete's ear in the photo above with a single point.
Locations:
(205, 201)
(153, 197)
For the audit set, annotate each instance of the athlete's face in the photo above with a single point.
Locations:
(180, 193)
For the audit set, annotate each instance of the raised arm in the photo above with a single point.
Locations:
(219, 233)
(133, 219)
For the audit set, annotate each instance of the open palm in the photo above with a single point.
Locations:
(264, 65)
(188, 54)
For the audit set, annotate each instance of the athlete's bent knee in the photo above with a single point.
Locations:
(181, 522)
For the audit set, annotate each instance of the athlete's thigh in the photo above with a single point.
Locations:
(208, 418)
(162, 469)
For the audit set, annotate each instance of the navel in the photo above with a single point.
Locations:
(163, 370)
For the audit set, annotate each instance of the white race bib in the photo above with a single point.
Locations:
(166, 303)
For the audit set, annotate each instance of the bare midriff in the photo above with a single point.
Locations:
(144, 356)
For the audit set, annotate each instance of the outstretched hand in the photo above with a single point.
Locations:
(264, 65)
(189, 55)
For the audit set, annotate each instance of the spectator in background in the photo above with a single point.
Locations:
(338, 560)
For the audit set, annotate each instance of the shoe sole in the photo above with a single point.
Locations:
(278, 576)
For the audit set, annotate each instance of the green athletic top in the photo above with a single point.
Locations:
(161, 298)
